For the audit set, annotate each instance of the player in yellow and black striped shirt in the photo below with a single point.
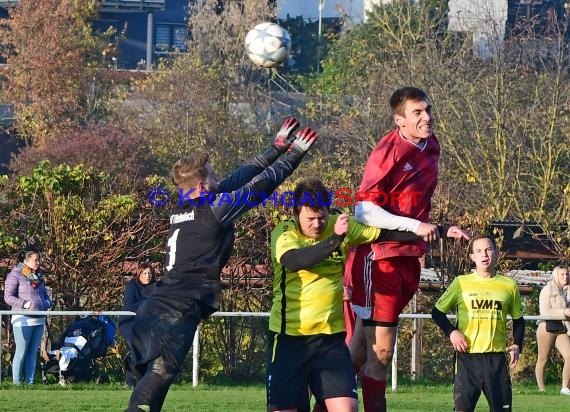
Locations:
(307, 329)
(482, 300)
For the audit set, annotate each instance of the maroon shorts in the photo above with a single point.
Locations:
(381, 289)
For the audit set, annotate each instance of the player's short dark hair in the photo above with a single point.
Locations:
(190, 169)
(401, 96)
(481, 236)
(311, 193)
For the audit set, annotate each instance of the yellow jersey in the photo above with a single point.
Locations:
(309, 301)
(482, 306)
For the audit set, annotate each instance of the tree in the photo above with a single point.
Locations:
(501, 119)
(185, 107)
(515, 115)
(218, 30)
(51, 77)
(211, 98)
(87, 232)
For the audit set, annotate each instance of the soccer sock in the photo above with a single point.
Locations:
(149, 393)
(373, 394)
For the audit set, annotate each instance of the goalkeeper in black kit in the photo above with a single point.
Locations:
(200, 242)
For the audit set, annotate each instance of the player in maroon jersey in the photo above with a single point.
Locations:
(399, 180)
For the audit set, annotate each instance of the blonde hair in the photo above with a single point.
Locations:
(555, 273)
(190, 169)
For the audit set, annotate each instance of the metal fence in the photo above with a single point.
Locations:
(196, 346)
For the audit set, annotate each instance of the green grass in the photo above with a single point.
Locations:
(207, 398)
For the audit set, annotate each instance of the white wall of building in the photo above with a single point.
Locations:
(484, 19)
(309, 9)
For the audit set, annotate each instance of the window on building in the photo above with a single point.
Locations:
(171, 38)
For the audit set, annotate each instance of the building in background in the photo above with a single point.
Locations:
(158, 28)
(315, 10)
(154, 28)
(489, 22)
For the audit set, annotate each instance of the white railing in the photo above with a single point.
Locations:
(54, 313)
(196, 346)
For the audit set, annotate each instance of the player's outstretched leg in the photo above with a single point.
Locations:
(151, 390)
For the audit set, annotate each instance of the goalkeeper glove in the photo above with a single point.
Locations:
(285, 136)
(304, 139)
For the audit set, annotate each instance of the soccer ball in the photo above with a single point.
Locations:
(268, 44)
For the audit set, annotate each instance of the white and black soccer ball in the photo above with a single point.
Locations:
(268, 45)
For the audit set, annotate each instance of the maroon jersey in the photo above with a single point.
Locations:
(401, 177)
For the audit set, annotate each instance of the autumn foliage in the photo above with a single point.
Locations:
(51, 54)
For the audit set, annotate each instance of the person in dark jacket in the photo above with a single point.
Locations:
(25, 290)
(200, 242)
(136, 291)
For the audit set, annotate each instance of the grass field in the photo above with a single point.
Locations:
(183, 398)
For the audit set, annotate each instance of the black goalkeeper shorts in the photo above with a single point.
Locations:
(482, 372)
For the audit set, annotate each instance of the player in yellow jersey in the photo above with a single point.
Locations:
(307, 328)
(482, 300)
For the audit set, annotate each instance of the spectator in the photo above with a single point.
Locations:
(554, 301)
(25, 290)
(136, 291)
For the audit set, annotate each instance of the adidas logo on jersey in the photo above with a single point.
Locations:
(408, 167)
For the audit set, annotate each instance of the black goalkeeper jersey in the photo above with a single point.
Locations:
(201, 234)
(200, 242)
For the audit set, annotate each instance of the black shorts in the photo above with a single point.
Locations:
(486, 372)
(296, 363)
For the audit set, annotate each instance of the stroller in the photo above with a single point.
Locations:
(73, 357)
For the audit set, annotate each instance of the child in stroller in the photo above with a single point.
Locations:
(83, 341)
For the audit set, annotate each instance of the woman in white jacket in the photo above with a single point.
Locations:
(554, 300)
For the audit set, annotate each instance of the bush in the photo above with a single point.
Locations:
(121, 155)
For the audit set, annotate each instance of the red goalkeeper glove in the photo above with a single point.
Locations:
(304, 140)
(285, 136)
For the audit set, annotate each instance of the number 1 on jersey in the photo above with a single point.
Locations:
(171, 244)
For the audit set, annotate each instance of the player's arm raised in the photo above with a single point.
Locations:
(227, 206)
(282, 142)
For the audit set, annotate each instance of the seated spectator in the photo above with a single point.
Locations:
(136, 291)
(71, 347)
